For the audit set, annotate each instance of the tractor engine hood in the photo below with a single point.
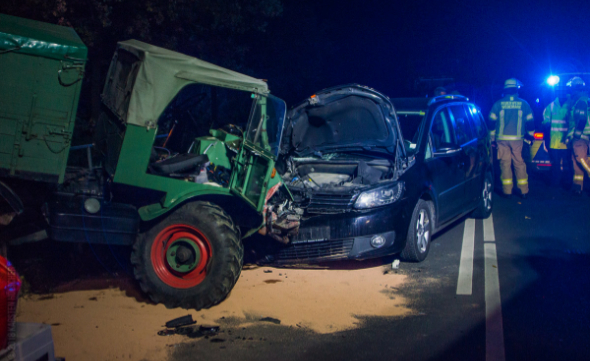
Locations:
(344, 118)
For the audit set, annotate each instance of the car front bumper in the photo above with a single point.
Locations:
(347, 236)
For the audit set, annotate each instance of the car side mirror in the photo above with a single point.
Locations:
(447, 150)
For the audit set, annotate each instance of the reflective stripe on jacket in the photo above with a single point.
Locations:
(511, 117)
(554, 116)
(585, 134)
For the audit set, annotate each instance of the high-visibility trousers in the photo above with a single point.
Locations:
(510, 154)
(580, 160)
(561, 167)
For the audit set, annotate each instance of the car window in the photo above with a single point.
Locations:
(462, 128)
(441, 132)
(428, 153)
(410, 125)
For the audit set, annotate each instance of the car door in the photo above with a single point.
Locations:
(446, 166)
(480, 131)
(467, 140)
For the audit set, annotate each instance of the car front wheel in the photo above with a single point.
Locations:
(486, 202)
(419, 234)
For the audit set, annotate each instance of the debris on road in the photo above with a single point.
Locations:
(166, 332)
(181, 321)
(191, 331)
(180, 326)
(270, 282)
(209, 330)
(272, 320)
(395, 264)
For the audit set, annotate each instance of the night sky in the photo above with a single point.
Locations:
(387, 45)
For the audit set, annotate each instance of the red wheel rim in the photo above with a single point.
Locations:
(165, 272)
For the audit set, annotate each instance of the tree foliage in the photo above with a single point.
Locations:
(210, 29)
(218, 31)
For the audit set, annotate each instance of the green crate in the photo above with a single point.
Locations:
(41, 67)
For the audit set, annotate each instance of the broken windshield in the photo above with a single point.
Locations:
(266, 123)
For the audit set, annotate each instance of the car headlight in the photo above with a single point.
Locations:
(380, 196)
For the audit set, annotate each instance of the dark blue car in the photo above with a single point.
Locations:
(371, 176)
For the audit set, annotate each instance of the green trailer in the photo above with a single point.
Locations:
(41, 66)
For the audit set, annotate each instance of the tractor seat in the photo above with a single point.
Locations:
(181, 163)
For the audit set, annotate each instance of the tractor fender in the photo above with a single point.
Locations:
(155, 210)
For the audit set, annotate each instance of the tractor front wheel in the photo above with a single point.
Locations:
(191, 259)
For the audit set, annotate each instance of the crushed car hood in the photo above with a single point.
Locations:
(343, 118)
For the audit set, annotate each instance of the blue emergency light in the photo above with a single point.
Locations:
(553, 80)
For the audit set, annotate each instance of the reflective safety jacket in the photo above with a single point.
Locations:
(554, 116)
(575, 125)
(510, 118)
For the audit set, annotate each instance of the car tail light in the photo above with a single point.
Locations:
(538, 136)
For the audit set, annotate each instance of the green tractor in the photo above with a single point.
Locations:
(176, 171)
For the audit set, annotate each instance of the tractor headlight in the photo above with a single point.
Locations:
(380, 196)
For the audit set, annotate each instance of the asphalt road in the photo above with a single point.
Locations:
(513, 287)
(531, 303)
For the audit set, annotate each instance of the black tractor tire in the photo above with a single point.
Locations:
(220, 271)
(419, 233)
(486, 203)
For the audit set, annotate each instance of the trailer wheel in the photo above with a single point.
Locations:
(191, 259)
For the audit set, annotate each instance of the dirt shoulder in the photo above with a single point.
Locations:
(100, 320)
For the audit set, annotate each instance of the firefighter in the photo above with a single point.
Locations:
(554, 120)
(579, 131)
(440, 91)
(512, 120)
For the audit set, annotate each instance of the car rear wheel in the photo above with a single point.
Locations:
(191, 259)
(419, 234)
(486, 203)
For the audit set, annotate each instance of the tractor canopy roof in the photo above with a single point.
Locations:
(143, 79)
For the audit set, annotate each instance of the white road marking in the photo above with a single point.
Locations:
(494, 325)
(465, 281)
(488, 230)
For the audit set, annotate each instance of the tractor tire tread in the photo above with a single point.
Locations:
(216, 286)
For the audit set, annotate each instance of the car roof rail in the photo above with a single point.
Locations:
(441, 98)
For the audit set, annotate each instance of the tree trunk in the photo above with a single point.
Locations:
(95, 89)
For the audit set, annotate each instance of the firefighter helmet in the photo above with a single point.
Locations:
(576, 83)
(512, 83)
(440, 91)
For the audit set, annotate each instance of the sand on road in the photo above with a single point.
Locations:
(118, 323)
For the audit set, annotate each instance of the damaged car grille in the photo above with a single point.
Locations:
(313, 251)
(331, 203)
